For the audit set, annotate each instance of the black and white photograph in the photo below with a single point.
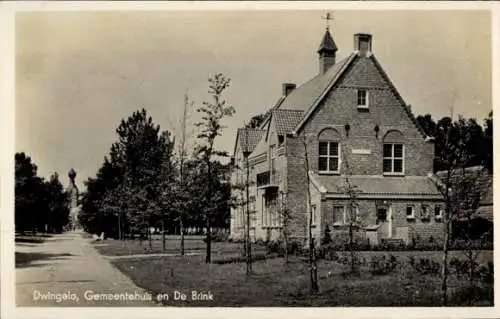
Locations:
(325, 157)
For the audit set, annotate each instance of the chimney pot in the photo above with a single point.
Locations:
(363, 43)
(288, 87)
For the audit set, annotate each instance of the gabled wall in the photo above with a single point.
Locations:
(385, 111)
(339, 108)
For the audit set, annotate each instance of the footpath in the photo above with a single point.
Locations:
(66, 270)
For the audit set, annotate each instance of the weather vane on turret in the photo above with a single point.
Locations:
(327, 17)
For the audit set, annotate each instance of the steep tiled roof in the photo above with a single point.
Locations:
(286, 120)
(304, 96)
(379, 185)
(250, 135)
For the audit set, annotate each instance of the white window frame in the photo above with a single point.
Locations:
(328, 156)
(366, 105)
(314, 212)
(441, 212)
(252, 206)
(272, 160)
(392, 158)
(426, 215)
(343, 215)
(412, 216)
(270, 219)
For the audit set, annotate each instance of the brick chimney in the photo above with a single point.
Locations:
(363, 44)
(288, 87)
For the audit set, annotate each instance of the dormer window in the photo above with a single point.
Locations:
(362, 99)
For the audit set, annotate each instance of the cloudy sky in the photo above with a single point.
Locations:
(79, 73)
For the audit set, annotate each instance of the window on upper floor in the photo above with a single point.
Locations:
(362, 99)
(329, 157)
(272, 159)
(393, 158)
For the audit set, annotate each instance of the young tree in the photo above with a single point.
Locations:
(241, 197)
(353, 220)
(313, 268)
(210, 127)
(454, 154)
(285, 216)
(466, 193)
(182, 194)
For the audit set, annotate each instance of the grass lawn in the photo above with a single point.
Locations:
(275, 284)
(110, 247)
(31, 238)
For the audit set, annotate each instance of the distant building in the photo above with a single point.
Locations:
(355, 124)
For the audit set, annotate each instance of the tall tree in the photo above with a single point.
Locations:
(210, 127)
(488, 141)
(127, 193)
(257, 120)
(58, 202)
(30, 204)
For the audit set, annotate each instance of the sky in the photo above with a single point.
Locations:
(79, 73)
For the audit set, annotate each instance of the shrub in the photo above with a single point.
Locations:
(294, 248)
(460, 267)
(260, 242)
(218, 237)
(241, 259)
(383, 265)
(327, 236)
(345, 258)
(328, 252)
(274, 247)
(485, 272)
(471, 295)
(425, 266)
(389, 246)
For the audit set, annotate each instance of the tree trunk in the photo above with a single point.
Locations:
(181, 225)
(208, 258)
(149, 238)
(351, 249)
(444, 272)
(313, 269)
(285, 239)
(163, 241)
(119, 228)
(247, 235)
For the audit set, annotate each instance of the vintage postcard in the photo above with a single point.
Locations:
(220, 159)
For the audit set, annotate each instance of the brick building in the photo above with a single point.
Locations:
(354, 126)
